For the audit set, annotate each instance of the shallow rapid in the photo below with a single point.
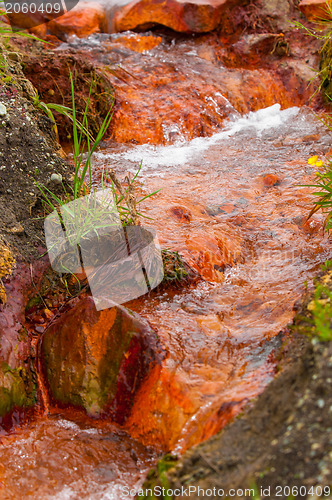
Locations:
(234, 206)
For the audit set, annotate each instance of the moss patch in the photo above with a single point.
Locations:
(17, 389)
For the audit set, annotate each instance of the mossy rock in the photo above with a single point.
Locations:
(96, 360)
(176, 270)
(17, 388)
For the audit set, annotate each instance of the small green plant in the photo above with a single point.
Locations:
(323, 32)
(93, 215)
(97, 212)
(323, 190)
(83, 148)
(323, 178)
(48, 108)
(322, 313)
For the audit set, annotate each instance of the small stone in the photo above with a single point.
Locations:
(57, 178)
(17, 229)
(320, 403)
(270, 180)
(3, 109)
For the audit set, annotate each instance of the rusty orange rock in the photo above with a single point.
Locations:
(97, 360)
(209, 254)
(26, 21)
(138, 43)
(83, 20)
(270, 180)
(193, 16)
(166, 409)
(181, 213)
(315, 10)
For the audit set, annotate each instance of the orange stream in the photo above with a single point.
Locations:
(247, 239)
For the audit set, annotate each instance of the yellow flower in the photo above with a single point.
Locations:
(312, 160)
(315, 162)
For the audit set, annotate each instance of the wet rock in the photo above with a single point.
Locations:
(150, 76)
(26, 21)
(50, 75)
(22, 154)
(136, 42)
(315, 9)
(191, 16)
(17, 379)
(210, 254)
(270, 180)
(86, 18)
(181, 213)
(97, 359)
(12, 389)
(250, 49)
(83, 20)
(213, 210)
(276, 13)
(56, 178)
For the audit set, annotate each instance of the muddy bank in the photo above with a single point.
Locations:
(29, 153)
(283, 438)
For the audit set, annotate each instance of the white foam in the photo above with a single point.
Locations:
(67, 424)
(256, 122)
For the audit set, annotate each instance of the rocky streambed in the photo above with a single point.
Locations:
(90, 400)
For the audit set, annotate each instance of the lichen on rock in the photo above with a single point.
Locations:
(96, 360)
(7, 262)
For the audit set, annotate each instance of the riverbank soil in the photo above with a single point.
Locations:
(29, 154)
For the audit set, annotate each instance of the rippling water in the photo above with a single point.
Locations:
(244, 233)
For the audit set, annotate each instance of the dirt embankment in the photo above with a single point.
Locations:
(29, 154)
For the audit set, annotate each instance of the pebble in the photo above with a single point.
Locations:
(3, 109)
(57, 178)
(18, 229)
(270, 180)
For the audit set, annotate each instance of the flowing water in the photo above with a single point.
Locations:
(234, 206)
